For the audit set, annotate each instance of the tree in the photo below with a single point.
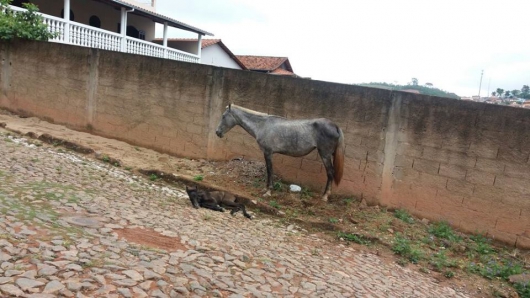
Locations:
(414, 82)
(507, 93)
(500, 92)
(515, 92)
(525, 92)
(24, 25)
(493, 93)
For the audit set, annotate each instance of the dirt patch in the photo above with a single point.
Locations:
(60, 142)
(150, 238)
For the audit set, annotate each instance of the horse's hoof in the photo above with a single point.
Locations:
(325, 198)
(267, 194)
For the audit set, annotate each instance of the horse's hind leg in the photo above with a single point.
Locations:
(268, 162)
(329, 172)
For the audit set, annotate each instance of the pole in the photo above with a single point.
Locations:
(480, 85)
(489, 82)
(66, 17)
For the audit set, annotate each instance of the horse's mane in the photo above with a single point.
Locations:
(249, 110)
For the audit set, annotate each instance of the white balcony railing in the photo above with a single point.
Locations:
(87, 36)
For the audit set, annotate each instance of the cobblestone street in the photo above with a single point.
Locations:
(72, 226)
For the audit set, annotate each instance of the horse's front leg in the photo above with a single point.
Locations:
(268, 162)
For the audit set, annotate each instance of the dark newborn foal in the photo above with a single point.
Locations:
(215, 200)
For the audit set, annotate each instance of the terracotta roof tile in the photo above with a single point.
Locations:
(264, 63)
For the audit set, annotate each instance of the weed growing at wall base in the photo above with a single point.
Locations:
(23, 24)
(523, 289)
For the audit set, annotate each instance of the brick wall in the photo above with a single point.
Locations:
(439, 158)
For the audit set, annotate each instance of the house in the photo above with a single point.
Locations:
(271, 65)
(213, 51)
(526, 104)
(117, 25)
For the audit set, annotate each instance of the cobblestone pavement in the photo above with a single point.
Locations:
(73, 226)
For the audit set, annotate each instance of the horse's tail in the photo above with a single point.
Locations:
(338, 158)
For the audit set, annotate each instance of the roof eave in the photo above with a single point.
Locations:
(161, 18)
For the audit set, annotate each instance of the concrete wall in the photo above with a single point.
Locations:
(461, 161)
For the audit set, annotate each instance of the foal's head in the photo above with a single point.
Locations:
(193, 194)
(227, 122)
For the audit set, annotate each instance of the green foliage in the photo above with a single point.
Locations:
(525, 92)
(449, 274)
(502, 269)
(439, 260)
(492, 268)
(277, 186)
(153, 177)
(523, 289)
(482, 245)
(422, 89)
(348, 201)
(403, 248)
(333, 220)
(306, 193)
(274, 204)
(359, 239)
(404, 216)
(198, 178)
(24, 25)
(443, 230)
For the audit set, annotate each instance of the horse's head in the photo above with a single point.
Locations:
(193, 194)
(227, 122)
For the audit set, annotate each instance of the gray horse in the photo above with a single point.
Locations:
(296, 138)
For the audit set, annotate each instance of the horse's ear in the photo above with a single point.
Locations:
(229, 106)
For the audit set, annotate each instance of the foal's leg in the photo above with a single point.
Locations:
(268, 162)
(329, 172)
(244, 209)
(231, 205)
(212, 205)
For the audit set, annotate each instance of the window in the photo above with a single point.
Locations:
(71, 14)
(19, 2)
(132, 32)
(94, 21)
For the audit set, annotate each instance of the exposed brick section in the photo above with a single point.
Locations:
(464, 162)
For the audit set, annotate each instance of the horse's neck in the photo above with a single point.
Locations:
(251, 122)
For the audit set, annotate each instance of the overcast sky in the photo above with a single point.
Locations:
(443, 42)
